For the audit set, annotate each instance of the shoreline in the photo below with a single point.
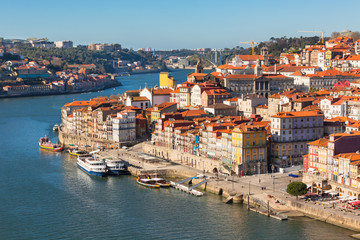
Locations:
(237, 189)
(111, 85)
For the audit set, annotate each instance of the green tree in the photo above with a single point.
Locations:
(296, 189)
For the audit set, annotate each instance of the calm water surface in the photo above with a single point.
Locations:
(43, 195)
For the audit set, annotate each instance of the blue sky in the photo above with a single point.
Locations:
(170, 24)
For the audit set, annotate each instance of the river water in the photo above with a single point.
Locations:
(43, 195)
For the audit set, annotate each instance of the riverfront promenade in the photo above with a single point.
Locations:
(261, 192)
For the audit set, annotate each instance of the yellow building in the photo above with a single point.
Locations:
(249, 147)
(158, 110)
(167, 81)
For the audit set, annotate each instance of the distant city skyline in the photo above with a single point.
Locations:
(174, 24)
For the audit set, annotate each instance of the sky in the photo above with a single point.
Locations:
(174, 24)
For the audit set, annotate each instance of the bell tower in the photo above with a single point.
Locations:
(264, 51)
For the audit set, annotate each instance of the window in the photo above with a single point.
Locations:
(247, 135)
(254, 135)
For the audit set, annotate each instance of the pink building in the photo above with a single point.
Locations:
(213, 96)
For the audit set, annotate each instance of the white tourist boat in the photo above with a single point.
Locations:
(116, 166)
(92, 165)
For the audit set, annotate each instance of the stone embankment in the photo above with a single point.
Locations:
(88, 143)
(250, 190)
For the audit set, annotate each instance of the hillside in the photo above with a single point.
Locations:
(60, 58)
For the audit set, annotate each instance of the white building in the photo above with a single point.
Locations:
(247, 105)
(141, 102)
(345, 106)
(64, 44)
(290, 133)
(325, 79)
(156, 95)
(124, 126)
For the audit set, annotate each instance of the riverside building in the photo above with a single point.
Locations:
(290, 133)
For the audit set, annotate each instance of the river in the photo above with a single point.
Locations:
(45, 196)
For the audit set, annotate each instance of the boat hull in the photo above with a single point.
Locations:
(52, 149)
(92, 173)
(118, 172)
(164, 185)
(148, 185)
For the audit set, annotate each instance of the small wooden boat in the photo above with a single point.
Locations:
(76, 152)
(45, 143)
(162, 182)
(147, 182)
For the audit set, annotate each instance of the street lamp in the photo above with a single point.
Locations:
(273, 177)
(259, 164)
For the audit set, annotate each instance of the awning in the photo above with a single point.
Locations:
(354, 202)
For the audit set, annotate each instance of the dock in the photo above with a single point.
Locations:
(186, 189)
(277, 217)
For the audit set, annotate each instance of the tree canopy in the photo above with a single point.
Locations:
(81, 55)
(296, 189)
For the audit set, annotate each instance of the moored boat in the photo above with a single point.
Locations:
(147, 182)
(116, 166)
(161, 182)
(56, 127)
(76, 152)
(45, 143)
(92, 165)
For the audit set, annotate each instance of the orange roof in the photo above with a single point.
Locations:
(138, 99)
(297, 114)
(354, 124)
(340, 119)
(162, 91)
(232, 99)
(351, 156)
(275, 96)
(311, 108)
(322, 142)
(197, 74)
(247, 127)
(251, 57)
(227, 66)
(176, 91)
(353, 58)
(263, 106)
(80, 103)
(329, 72)
(165, 105)
(193, 113)
(217, 74)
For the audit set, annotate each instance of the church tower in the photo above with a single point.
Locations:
(258, 69)
(264, 51)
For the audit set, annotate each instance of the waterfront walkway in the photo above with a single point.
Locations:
(270, 188)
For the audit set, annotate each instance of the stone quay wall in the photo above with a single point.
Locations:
(65, 139)
(197, 162)
(339, 219)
